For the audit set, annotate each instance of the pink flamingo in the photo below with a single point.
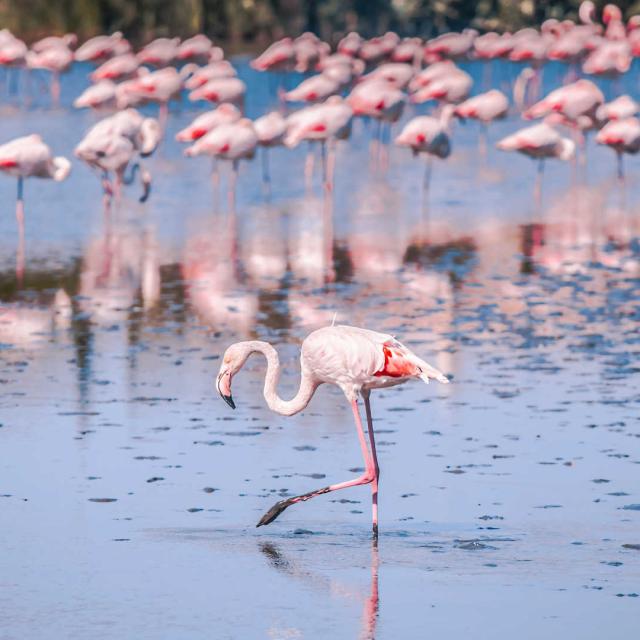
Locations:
(270, 129)
(408, 50)
(451, 88)
(429, 135)
(309, 49)
(233, 141)
(117, 68)
(623, 136)
(212, 71)
(451, 45)
(540, 142)
(102, 47)
(314, 89)
(220, 90)
(397, 74)
(224, 114)
(280, 56)
(99, 95)
(573, 100)
(324, 123)
(610, 57)
(485, 107)
(197, 48)
(55, 59)
(28, 157)
(160, 86)
(69, 41)
(492, 45)
(357, 361)
(159, 53)
(113, 143)
(350, 44)
(619, 109)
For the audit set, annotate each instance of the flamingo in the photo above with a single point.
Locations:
(397, 74)
(279, 56)
(205, 122)
(270, 129)
(232, 141)
(324, 122)
(114, 142)
(350, 44)
(220, 90)
(452, 88)
(159, 86)
(426, 134)
(315, 89)
(102, 47)
(161, 52)
(451, 45)
(197, 48)
(28, 157)
(212, 71)
(409, 50)
(485, 107)
(117, 68)
(355, 360)
(619, 109)
(309, 49)
(540, 141)
(623, 136)
(101, 94)
(69, 41)
(56, 59)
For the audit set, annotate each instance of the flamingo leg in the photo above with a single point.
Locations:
(55, 89)
(620, 166)
(374, 458)
(20, 221)
(308, 167)
(232, 186)
(366, 478)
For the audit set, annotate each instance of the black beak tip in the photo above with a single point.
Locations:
(229, 401)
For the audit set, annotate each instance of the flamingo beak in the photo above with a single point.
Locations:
(224, 387)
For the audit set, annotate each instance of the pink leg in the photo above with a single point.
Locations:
(374, 459)
(55, 89)
(367, 477)
(20, 221)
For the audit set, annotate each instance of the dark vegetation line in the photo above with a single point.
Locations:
(246, 25)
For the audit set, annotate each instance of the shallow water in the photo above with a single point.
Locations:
(129, 491)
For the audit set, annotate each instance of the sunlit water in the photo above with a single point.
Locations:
(129, 491)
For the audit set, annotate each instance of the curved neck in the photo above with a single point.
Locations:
(275, 402)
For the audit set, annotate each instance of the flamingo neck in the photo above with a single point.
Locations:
(274, 401)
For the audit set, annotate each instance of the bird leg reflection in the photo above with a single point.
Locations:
(371, 604)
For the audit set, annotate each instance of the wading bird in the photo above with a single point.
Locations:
(29, 157)
(356, 360)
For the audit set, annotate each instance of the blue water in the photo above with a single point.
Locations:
(129, 491)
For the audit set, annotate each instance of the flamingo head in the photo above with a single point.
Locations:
(61, 168)
(233, 360)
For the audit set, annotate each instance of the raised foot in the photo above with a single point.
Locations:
(274, 512)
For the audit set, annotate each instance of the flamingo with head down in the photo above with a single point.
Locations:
(355, 360)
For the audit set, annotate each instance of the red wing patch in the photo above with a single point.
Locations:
(8, 163)
(395, 363)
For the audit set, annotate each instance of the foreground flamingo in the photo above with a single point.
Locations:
(356, 360)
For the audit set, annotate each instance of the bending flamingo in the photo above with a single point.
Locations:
(356, 360)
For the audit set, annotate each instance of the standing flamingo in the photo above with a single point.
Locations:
(28, 157)
(485, 107)
(540, 142)
(356, 360)
(57, 59)
(623, 136)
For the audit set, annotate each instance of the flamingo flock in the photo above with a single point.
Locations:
(379, 80)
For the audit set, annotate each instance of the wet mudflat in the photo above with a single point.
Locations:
(129, 491)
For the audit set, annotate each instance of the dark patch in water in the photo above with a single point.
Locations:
(103, 499)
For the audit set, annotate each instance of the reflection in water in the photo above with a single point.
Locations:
(371, 601)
